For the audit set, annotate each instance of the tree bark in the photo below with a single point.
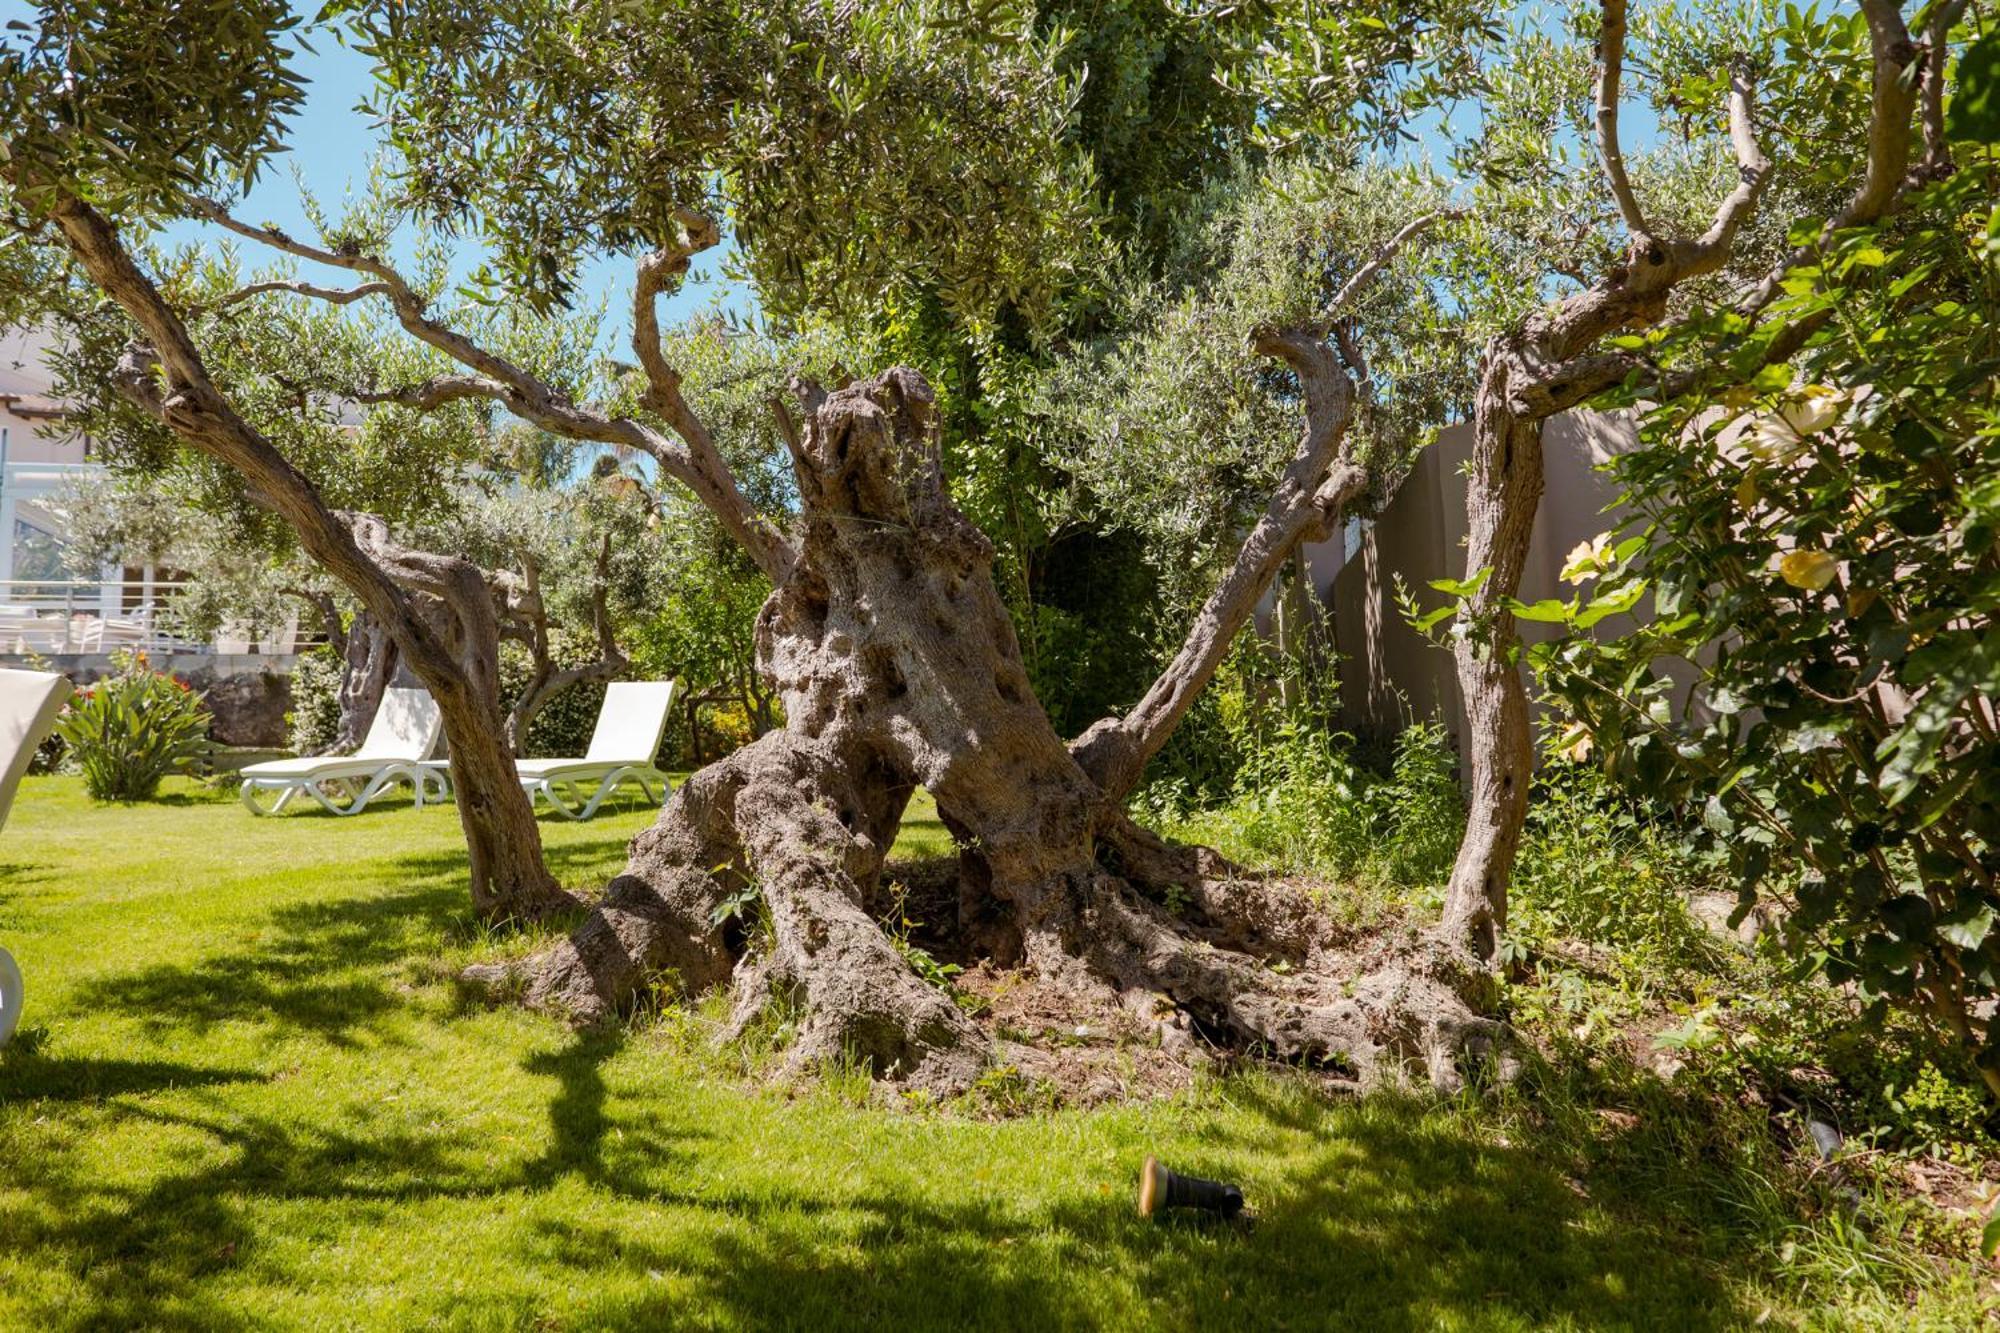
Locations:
(545, 681)
(897, 666)
(1550, 363)
(1501, 499)
(368, 663)
(501, 835)
(1319, 483)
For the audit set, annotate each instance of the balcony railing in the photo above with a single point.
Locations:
(47, 616)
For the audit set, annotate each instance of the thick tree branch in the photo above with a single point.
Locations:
(1320, 482)
(658, 272)
(1753, 169)
(1887, 170)
(191, 404)
(1895, 97)
(692, 460)
(1322, 479)
(508, 877)
(1635, 294)
(1610, 69)
(1571, 383)
(1937, 51)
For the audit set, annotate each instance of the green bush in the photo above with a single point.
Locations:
(315, 714)
(1303, 801)
(1601, 865)
(1820, 669)
(131, 729)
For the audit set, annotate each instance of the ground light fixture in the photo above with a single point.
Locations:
(1161, 1190)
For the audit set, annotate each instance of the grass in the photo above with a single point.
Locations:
(247, 1096)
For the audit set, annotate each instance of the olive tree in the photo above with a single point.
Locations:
(1846, 105)
(862, 154)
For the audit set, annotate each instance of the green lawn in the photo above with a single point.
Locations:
(248, 1095)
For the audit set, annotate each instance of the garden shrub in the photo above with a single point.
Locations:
(315, 714)
(1600, 865)
(1303, 801)
(132, 728)
(1820, 562)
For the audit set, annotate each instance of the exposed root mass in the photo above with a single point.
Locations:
(898, 668)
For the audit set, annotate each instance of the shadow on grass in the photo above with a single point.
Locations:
(1393, 1225)
(144, 1254)
(326, 968)
(323, 968)
(1393, 1218)
(28, 1075)
(572, 863)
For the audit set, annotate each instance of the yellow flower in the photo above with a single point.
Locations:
(1810, 570)
(1587, 560)
(1746, 489)
(1780, 436)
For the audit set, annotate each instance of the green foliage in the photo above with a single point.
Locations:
(849, 144)
(1303, 800)
(314, 719)
(132, 728)
(928, 967)
(1974, 113)
(1171, 427)
(1601, 865)
(1819, 672)
(132, 103)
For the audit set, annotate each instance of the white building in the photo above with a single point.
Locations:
(44, 608)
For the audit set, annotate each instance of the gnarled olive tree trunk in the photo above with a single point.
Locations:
(897, 666)
(368, 663)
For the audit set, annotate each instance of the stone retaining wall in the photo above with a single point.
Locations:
(249, 693)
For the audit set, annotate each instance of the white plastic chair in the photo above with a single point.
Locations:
(622, 746)
(402, 736)
(29, 704)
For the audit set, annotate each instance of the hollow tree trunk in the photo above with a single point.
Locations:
(1501, 499)
(897, 666)
(368, 663)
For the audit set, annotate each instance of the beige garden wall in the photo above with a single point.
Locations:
(1390, 676)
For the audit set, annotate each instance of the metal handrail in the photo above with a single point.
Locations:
(87, 615)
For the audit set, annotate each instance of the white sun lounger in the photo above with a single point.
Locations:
(629, 727)
(29, 703)
(402, 736)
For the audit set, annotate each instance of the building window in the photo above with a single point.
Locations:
(39, 555)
